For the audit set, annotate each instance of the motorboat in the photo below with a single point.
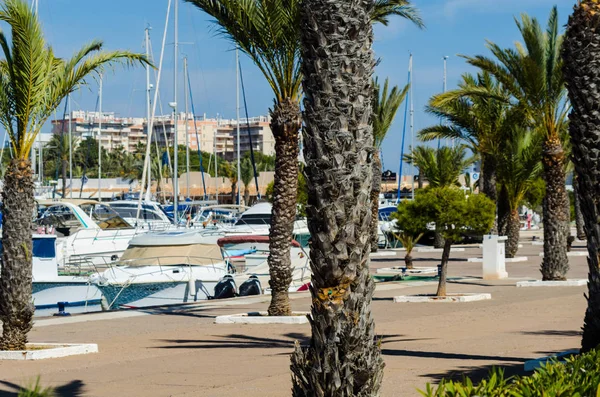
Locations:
(151, 216)
(256, 221)
(170, 267)
(255, 261)
(89, 233)
(51, 287)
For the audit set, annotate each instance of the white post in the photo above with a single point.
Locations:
(100, 141)
(494, 262)
(70, 147)
(237, 98)
(148, 115)
(175, 140)
(187, 144)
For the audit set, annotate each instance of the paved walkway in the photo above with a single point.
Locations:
(182, 353)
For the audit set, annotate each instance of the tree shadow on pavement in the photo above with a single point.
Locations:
(573, 333)
(477, 373)
(74, 388)
(242, 341)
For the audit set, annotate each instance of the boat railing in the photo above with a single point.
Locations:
(173, 261)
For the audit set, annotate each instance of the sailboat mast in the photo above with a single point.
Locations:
(100, 140)
(148, 114)
(237, 101)
(176, 140)
(404, 133)
(216, 171)
(70, 147)
(412, 126)
(187, 144)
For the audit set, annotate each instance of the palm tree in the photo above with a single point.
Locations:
(58, 150)
(519, 167)
(441, 167)
(385, 106)
(33, 82)
(533, 75)
(343, 358)
(268, 31)
(477, 120)
(247, 174)
(580, 52)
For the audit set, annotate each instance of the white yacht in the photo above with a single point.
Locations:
(151, 217)
(162, 268)
(89, 233)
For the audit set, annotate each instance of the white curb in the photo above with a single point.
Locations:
(383, 254)
(49, 350)
(450, 298)
(539, 283)
(262, 318)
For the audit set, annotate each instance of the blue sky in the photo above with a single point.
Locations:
(453, 27)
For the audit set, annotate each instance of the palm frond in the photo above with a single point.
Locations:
(383, 9)
(385, 106)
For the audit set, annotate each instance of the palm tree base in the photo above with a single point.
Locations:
(344, 357)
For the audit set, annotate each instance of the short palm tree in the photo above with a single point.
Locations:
(532, 73)
(441, 167)
(580, 54)
(477, 120)
(519, 167)
(33, 82)
(268, 31)
(385, 107)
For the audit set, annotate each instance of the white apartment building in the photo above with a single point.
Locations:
(210, 134)
(115, 131)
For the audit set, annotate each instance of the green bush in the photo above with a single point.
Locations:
(578, 376)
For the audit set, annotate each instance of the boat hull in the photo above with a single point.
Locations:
(47, 294)
(139, 295)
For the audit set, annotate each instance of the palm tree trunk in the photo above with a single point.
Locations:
(489, 186)
(408, 259)
(65, 163)
(556, 216)
(504, 213)
(579, 221)
(343, 357)
(441, 291)
(285, 124)
(246, 195)
(513, 232)
(16, 306)
(375, 190)
(420, 184)
(438, 240)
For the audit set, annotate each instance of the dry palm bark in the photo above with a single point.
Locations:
(581, 51)
(285, 123)
(343, 358)
(375, 191)
(16, 305)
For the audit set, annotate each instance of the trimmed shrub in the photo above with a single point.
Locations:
(578, 376)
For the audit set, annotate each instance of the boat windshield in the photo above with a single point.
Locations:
(104, 216)
(65, 220)
(254, 219)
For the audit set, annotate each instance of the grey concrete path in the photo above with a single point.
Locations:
(180, 352)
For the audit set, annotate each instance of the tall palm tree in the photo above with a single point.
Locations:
(33, 82)
(343, 358)
(385, 107)
(441, 167)
(580, 52)
(268, 31)
(58, 150)
(477, 120)
(532, 73)
(519, 167)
